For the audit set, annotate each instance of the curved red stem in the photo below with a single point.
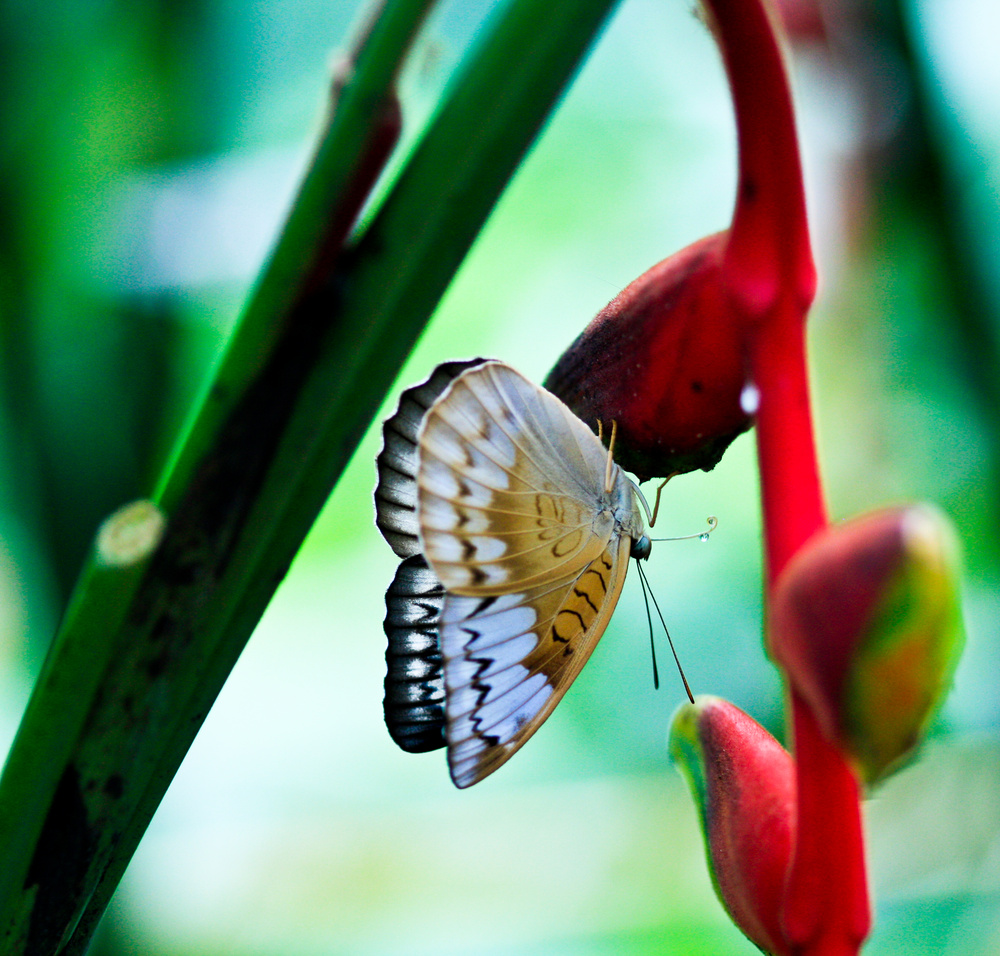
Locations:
(768, 255)
(791, 491)
(826, 907)
(771, 280)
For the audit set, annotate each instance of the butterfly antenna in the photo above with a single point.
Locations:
(649, 620)
(673, 650)
(713, 523)
(608, 485)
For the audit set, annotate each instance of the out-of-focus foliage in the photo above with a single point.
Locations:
(146, 155)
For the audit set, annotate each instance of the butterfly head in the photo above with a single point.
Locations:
(641, 547)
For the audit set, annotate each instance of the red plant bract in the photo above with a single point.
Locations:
(653, 361)
(670, 359)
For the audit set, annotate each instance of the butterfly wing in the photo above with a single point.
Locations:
(508, 660)
(396, 491)
(414, 679)
(510, 486)
(414, 684)
(516, 523)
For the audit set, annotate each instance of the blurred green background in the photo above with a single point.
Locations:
(147, 154)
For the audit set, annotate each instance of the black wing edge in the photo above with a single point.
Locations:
(414, 680)
(396, 490)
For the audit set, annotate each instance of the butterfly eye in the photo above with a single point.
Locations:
(641, 547)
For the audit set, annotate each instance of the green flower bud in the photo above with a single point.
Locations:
(866, 622)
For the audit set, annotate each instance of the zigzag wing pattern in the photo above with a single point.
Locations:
(414, 681)
(510, 659)
(515, 530)
(507, 499)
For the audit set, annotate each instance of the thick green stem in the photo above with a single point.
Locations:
(133, 645)
(33, 796)
(348, 158)
(310, 362)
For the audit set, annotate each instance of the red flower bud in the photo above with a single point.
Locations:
(865, 621)
(666, 361)
(743, 782)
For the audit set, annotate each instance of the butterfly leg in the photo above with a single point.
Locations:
(656, 503)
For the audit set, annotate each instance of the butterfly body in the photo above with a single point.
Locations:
(527, 526)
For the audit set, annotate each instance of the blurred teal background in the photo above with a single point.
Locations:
(147, 155)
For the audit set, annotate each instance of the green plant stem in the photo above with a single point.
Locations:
(131, 645)
(363, 104)
(309, 364)
(71, 678)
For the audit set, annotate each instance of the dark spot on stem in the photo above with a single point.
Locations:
(157, 665)
(114, 786)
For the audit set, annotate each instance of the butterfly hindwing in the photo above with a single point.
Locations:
(510, 659)
(414, 680)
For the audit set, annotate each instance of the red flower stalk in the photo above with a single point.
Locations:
(682, 360)
(885, 641)
(772, 277)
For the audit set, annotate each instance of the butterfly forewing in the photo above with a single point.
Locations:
(567, 450)
(531, 548)
(507, 497)
(397, 462)
(556, 445)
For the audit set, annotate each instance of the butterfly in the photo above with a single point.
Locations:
(514, 526)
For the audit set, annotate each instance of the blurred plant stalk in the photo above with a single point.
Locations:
(148, 644)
